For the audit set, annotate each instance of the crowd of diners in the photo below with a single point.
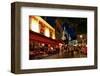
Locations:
(42, 50)
(78, 50)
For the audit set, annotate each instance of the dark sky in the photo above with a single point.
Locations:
(80, 24)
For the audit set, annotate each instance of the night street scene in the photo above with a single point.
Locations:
(57, 37)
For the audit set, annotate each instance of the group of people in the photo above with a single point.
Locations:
(41, 50)
(72, 49)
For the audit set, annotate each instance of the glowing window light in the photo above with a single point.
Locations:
(53, 36)
(47, 32)
(34, 25)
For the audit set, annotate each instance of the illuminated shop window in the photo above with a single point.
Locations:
(34, 24)
(47, 32)
(42, 28)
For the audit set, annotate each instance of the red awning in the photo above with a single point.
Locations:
(33, 36)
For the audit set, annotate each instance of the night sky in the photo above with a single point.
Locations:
(72, 26)
(80, 24)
